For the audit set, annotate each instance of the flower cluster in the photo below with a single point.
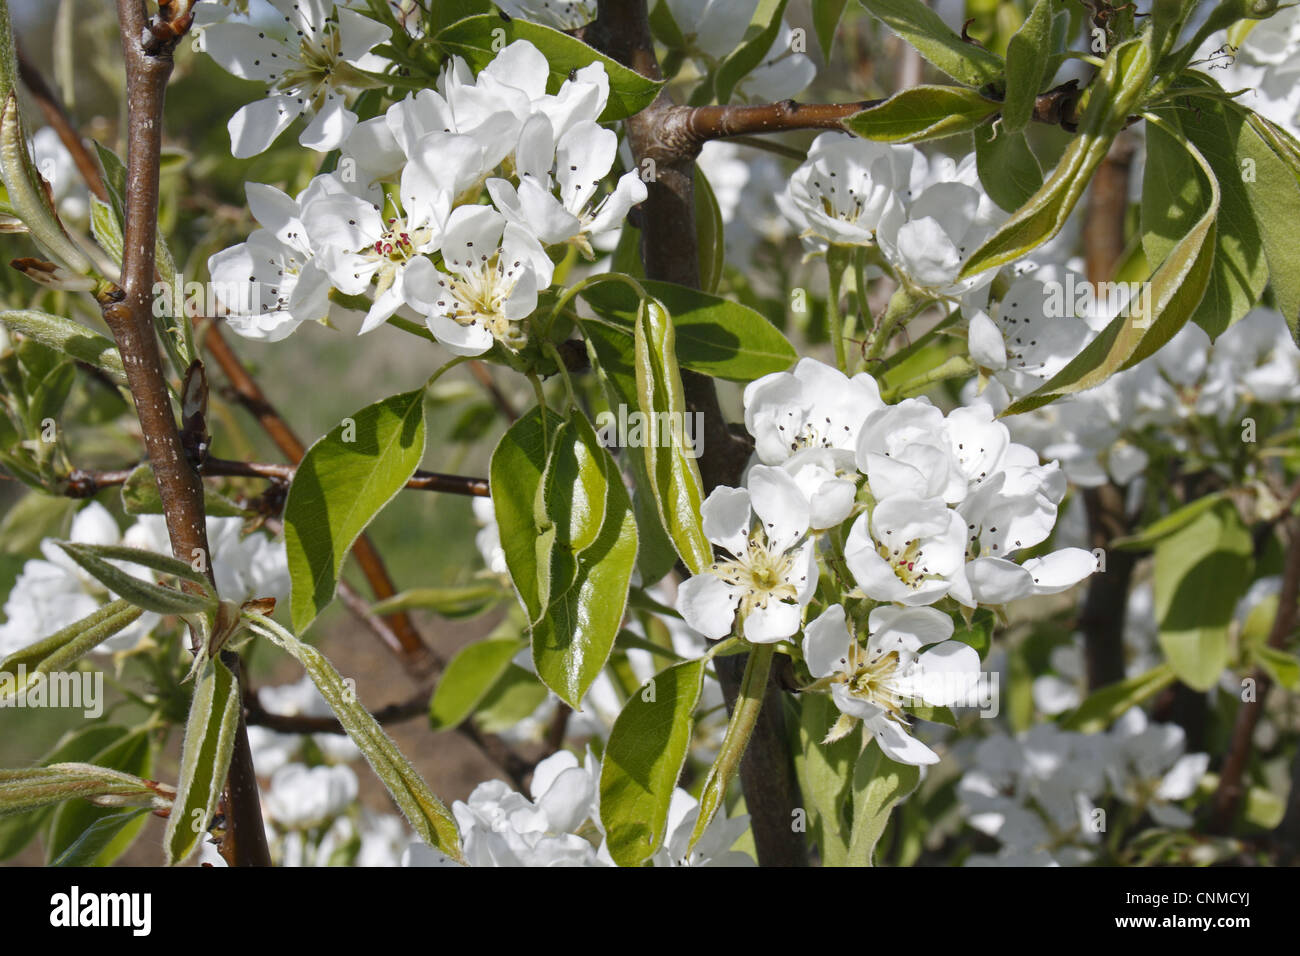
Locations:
(558, 824)
(1041, 794)
(52, 593)
(400, 220)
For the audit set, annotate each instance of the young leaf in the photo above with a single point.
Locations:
(1201, 572)
(60, 651)
(94, 560)
(710, 238)
(132, 756)
(826, 21)
(1104, 706)
(454, 603)
(923, 112)
(205, 758)
(423, 811)
(469, 676)
(670, 462)
(140, 497)
(878, 784)
(71, 338)
(479, 39)
(827, 775)
(1027, 55)
(342, 483)
(643, 759)
(923, 28)
(98, 837)
(34, 787)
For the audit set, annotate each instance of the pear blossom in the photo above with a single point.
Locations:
(560, 14)
(845, 188)
(495, 271)
(769, 571)
(712, 29)
(905, 448)
(272, 283)
(1151, 769)
(310, 64)
(715, 845)
(581, 159)
(812, 406)
(53, 593)
(873, 683)
(303, 797)
(909, 550)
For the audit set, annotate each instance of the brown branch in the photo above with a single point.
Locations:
(83, 483)
(57, 117)
(127, 311)
(483, 375)
(258, 716)
(671, 136)
(1232, 786)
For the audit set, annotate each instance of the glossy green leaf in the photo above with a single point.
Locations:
(1028, 53)
(713, 335)
(1166, 525)
(710, 238)
(924, 29)
(1174, 195)
(749, 54)
(1113, 95)
(205, 758)
(98, 837)
(342, 483)
(515, 696)
(479, 39)
(1201, 571)
(1173, 293)
(827, 776)
(574, 636)
(426, 814)
(1274, 199)
(878, 784)
(71, 338)
(923, 112)
(826, 21)
(1107, 704)
(643, 759)
(467, 679)
(670, 459)
(515, 479)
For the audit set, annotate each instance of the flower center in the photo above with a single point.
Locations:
(871, 677)
(760, 574)
(907, 561)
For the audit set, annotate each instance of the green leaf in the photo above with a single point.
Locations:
(514, 697)
(1174, 196)
(58, 652)
(1166, 525)
(106, 229)
(1281, 666)
(572, 639)
(31, 788)
(94, 560)
(826, 21)
(1201, 571)
(71, 338)
(17, 830)
(878, 784)
(132, 758)
(97, 837)
(454, 603)
(343, 481)
(643, 759)
(1173, 293)
(423, 811)
(827, 775)
(515, 477)
(923, 112)
(1274, 199)
(924, 29)
(1105, 705)
(979, 632)
(205, 759)
(468, 678)
(710, 238)
(1112, 96)
(1028, 53)
(478, 41)
(714, 336)
(670, 461)
(749, 54)
(140, 497)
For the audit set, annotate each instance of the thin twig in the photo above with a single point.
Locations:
(147, 48)
(483, 375)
